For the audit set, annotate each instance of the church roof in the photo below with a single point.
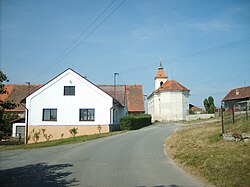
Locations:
(161, 73)
(172, 85)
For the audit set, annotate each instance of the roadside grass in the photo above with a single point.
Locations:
(65, 141)
(198, 120)
(202, 151)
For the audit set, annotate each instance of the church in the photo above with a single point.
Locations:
(169, 101)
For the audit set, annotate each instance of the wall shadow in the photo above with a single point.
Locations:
(40, 174)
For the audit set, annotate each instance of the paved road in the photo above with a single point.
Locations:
(131, 159)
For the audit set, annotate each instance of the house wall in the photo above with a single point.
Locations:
(59, 132)
(51, 96)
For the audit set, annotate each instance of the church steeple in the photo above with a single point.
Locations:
(161, 77)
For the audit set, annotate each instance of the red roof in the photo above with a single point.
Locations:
(172, 85)
(133, 94)
(117, 93)
(238, 93)
(135, 98)
(194, 108)
(161, 73)
(17, 92)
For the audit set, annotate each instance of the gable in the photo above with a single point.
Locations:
(69, 78)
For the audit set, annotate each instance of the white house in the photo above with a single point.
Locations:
(169, 101)
(70, 101)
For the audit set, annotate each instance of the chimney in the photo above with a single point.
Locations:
(237, 92)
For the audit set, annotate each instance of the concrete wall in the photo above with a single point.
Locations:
(57, 131)
(199, 116)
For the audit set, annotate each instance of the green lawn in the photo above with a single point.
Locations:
(202, 151)
(59, 142)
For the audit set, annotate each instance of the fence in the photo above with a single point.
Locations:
(234, 115)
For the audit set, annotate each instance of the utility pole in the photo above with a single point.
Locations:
(27, 116)
(222, 121)
(115, 75)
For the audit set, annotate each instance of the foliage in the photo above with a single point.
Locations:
(46, 136)
(36, 135)
(99, 128)
(73, 131)
(209, 105)
(1, 135)
(133, 122)
(65, 141)
(4, 120)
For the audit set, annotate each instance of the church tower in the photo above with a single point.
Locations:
(161, 77)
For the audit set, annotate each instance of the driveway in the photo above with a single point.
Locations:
(134, 158)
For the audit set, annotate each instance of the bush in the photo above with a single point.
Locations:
(73, 131)
(132, 122)
(1, 135)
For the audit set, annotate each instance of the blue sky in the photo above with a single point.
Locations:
(204, 45)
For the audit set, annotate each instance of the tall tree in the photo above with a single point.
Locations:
(4, 118)
(209, 105)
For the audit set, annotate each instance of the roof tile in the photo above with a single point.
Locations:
(135, 98)
(238, 93)
(172, 85)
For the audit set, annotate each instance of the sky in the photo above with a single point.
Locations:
(203, 44)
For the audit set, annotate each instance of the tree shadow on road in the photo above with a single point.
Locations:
(40, 174)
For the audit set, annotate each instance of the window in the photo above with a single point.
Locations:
(69, 90)
(87, 115)
(49, 114)
(161, 83)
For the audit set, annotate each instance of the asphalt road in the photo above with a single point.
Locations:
(134, 158)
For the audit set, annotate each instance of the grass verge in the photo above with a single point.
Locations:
(202, 151)
(59, 142)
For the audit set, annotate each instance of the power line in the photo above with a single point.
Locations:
(78, 41)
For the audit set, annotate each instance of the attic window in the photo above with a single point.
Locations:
(69, 90)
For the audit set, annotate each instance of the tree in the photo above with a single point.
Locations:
(209, 105)
(5, 118)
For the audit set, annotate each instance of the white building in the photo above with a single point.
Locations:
(169, 101)
(70, 101)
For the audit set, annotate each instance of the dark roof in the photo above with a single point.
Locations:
(117, 92)
(17, 92)
(238, 93)
(135, 98)
(172, 85)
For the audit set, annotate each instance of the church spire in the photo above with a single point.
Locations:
(161, 77)
(161, 73)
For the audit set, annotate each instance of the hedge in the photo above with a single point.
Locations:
(133, 122)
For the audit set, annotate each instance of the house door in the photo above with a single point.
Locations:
(20, 130)
(115, 116)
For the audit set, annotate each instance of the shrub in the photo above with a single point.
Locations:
(73, 131)
(1, 135)
(133, 122)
